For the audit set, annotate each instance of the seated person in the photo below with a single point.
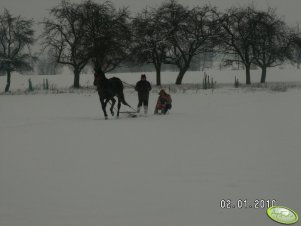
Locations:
(163, 103)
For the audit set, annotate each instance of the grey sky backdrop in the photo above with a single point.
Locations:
(38, 9)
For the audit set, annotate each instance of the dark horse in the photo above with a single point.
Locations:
(107, 90)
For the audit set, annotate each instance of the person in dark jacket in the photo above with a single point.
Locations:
(163, 103)
(143, 87)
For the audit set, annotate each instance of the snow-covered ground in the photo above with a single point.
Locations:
(62, 164)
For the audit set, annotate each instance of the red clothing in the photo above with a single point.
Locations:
(163, 102)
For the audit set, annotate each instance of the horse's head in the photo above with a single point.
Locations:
(98, 77)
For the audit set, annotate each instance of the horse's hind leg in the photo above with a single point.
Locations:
(112, 106)
(118, 107)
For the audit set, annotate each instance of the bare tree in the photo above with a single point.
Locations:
(295, 48)
(108, 33)
(236, 37)
(46, 65)
(64, 37)
(150, 44)
(189, 31)
(296, 54)
(16, 37)
(271, 39)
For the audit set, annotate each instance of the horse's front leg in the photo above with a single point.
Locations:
(106, 102)
(103, 105)
(112, 106)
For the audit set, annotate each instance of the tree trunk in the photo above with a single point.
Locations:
(76, 79)
(180, 76)
(8, 81)
(263, 74)
(158, 75)
(248, 74)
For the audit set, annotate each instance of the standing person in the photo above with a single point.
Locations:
(143, 87)
(163, 103)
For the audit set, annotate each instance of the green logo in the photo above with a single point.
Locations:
(282, 215)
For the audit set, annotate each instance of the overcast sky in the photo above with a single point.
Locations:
(38, 9)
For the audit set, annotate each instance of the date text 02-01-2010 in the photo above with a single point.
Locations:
(245, 204)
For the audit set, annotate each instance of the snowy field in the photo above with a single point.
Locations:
(62, 164)
(288, 75)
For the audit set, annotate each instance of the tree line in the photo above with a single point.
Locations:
(100, 35)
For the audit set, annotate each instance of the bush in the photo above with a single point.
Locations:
(30, 87)
(208, 82)
(236, 83)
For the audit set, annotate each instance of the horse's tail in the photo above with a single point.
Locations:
(119, 88)
(122, 99)
(121, 94)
